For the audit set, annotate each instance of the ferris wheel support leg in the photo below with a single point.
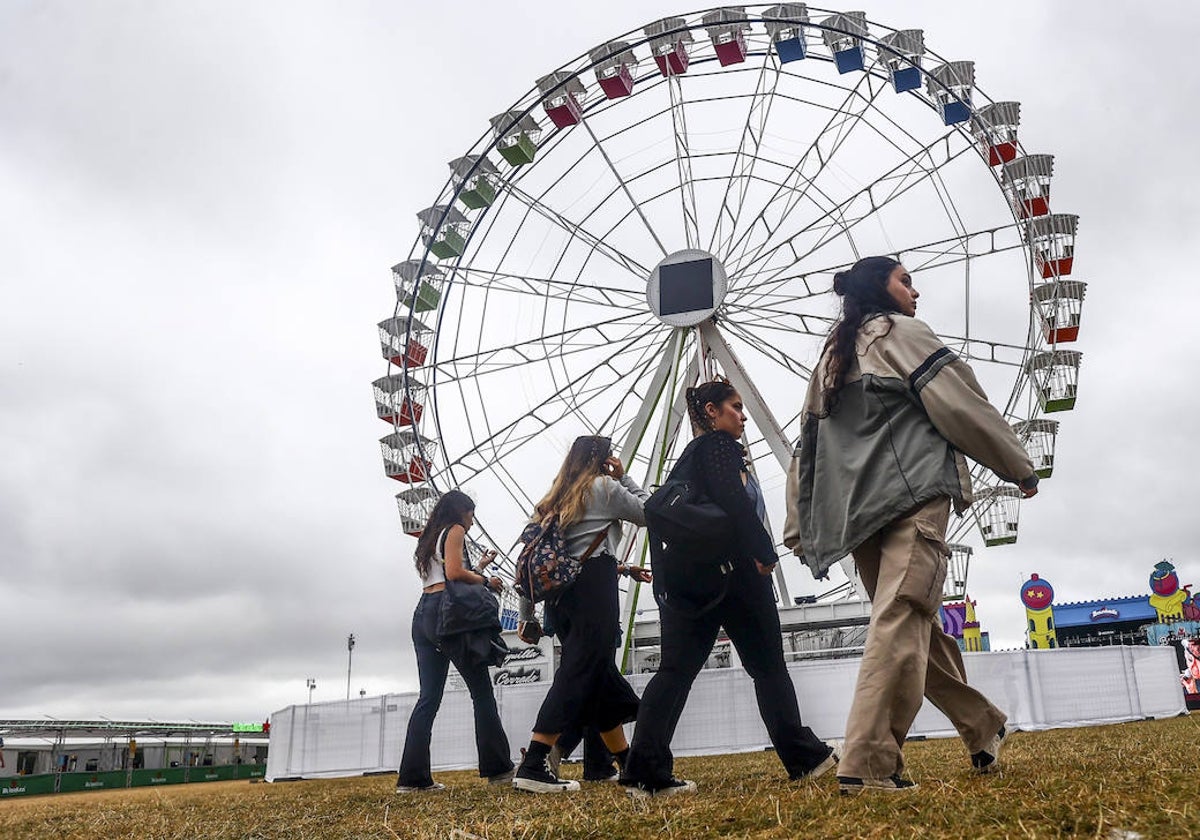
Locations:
(670, 389)
(772, 432)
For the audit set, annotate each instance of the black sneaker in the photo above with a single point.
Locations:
(612, 776)
(852, 786)
(987, 760)
(663, 787)
(538, 778)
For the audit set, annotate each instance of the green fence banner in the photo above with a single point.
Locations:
(91, 781)
(160, 776)
(26, 785)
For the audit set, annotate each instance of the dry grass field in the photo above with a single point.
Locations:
(1114, 782)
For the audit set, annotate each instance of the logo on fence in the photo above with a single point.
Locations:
(524, 654)
(518, 676)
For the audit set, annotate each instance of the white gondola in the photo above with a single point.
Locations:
(415, 505)
(405, 342)
(901, 53)
(1055, 378)
(998, 511)
(516, 136)
(418, 284)
(561, 95)
(477, 180)
(615, 66)
(407, 456)
(1026, 182)
(399, 399)
(951, 86)
(1039, 436)
(995, 128)
(1060, 306)
(1052, 240)
(669, 38)
(727, 28)
(955, 587)
(844, 34)
(785, 26)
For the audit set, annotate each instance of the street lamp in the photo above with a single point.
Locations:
(349, 661)
(311, 683)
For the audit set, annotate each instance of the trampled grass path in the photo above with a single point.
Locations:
(1109, 782)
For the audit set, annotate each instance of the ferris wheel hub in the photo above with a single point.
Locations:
(686, 288)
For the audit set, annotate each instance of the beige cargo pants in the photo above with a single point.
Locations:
(907, 656)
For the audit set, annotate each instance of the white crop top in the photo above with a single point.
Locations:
(437, 563)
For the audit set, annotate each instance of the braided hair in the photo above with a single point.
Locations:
(716, 392)
(863, 290)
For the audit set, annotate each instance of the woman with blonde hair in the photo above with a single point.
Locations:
(591, 495)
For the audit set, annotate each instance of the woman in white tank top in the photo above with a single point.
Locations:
(440, 556)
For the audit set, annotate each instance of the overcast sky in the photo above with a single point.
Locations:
(199, 204)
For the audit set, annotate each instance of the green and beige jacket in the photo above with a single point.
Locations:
(907, 414)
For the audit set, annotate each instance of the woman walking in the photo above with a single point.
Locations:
(703, 587)
(440, 556)
(889, 414)
(591, 495)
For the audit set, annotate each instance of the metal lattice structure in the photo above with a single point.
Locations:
(673, 204)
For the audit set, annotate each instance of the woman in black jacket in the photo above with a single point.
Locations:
(701, 588)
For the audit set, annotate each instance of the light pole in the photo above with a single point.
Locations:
(311, 683)
(349, 661)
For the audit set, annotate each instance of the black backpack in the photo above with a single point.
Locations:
(679, 511)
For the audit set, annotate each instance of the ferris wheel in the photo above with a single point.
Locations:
(673, 204)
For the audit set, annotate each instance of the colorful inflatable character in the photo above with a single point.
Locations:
(1037, 595)
(1165, 595)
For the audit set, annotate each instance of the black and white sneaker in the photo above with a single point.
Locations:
(987, 760)
(664, 787)
(538, 778)
(831, 761)
(852, 786)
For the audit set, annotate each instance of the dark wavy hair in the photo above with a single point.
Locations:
(449, 510)
(715, 392)
(863, 290)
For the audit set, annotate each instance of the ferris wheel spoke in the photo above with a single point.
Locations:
(511, 436)
(624, 187)
(683, 162)
(535, 350)
(746, 157)
(843, 217)
(799, 181)
(930, 255)
(576, 231)
(547, 288)
(768, 349)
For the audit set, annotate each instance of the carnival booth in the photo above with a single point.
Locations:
(1167, 615)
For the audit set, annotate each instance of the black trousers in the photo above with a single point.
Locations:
(749, 616)
(597, 760)
(491, 743)
(588, 688)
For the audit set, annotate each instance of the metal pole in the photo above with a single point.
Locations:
(349, 662)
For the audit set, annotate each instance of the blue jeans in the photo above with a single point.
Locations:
(491, 743)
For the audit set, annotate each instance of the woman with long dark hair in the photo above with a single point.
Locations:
(889, 414)
(591, 496)
(701, 588)
(441, 556)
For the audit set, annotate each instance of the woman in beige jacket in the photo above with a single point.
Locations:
(890, 413)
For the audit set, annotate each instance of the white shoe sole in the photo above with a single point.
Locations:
(858, 790)
(639, 793)
(534, 786)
